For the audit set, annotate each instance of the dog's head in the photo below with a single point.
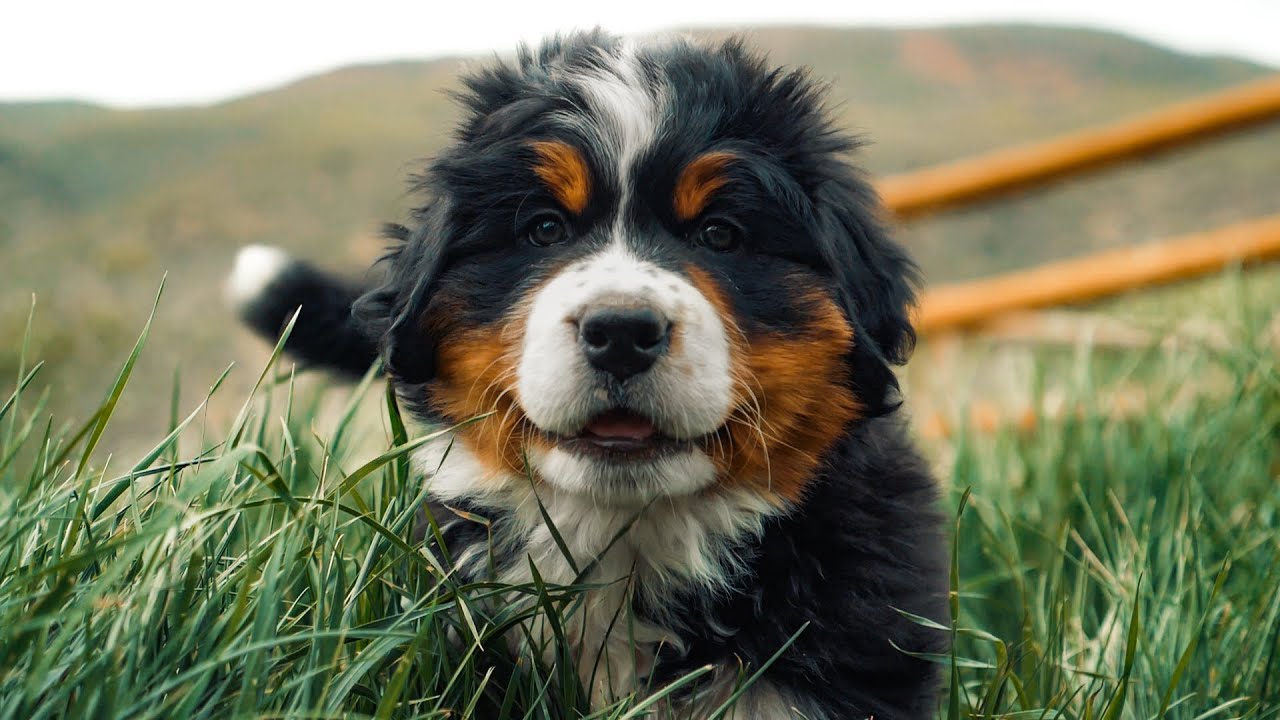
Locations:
(654, 266)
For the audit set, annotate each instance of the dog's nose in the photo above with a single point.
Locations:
(623, 342)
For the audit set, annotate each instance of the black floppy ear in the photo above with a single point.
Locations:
(395, 311)
(875, 278)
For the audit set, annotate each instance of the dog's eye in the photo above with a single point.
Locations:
(719, 236)
(547, 230)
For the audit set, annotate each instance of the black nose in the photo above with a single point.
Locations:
(623, 342)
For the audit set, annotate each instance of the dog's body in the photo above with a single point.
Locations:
(654, 267)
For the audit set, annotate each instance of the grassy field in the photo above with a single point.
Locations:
(1104, 567)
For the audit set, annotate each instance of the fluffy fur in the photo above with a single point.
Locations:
(656, 268)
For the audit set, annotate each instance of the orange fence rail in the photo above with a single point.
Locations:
(1022, 167)
(1094, 276)
(1008, 298)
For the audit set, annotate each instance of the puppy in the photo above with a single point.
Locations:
(653, 267)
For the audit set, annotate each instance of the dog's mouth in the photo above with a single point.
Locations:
(621, 435)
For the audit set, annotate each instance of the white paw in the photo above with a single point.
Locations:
(256, 266)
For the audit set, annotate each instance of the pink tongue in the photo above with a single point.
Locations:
(619, 425)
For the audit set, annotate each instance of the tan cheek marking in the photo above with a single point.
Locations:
(792, 399)
(565, 173)
(476, 374)
(699, 180)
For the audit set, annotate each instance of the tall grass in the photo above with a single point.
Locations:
(1105, 567)
(1128, 567)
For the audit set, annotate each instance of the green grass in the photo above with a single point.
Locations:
(1104, 568)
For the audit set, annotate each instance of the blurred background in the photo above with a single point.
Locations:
(145, 138)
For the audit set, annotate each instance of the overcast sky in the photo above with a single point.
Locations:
(159, 52)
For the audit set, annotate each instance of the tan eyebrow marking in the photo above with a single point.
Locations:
(565, 172)
(699, 180)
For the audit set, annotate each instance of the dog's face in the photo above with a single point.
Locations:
(654, 268)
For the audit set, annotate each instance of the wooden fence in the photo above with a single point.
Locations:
(964, 182)
(1078, 280)
(972, 305)
(967, 305)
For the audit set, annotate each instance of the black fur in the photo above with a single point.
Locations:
(866, 544)
(865, 547)
(866, 541)
(325, 334)
(805, 206)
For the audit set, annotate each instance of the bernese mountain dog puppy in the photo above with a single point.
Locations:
(653, 269)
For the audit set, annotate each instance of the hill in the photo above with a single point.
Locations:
(96, 203)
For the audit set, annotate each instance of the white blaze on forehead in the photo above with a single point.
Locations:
(626, 108)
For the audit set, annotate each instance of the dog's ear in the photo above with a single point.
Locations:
(874, 277)
(395, 311)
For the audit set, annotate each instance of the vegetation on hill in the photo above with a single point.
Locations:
(96, 203)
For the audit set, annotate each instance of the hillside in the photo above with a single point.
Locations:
(96, 204)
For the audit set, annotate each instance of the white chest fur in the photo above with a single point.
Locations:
(655, 551)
